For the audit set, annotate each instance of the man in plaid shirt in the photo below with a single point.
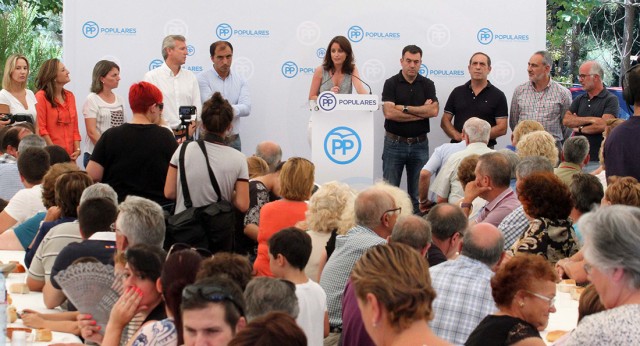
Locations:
(463, 286)
(541, 99)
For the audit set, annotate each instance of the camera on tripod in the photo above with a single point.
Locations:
(185, 113)
(17, 118)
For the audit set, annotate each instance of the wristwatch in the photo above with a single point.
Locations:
(405, 109)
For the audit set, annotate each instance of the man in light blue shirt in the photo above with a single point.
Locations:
(232, 86)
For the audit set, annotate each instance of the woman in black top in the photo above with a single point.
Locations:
(524, 290)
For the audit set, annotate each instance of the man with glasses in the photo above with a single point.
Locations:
(448, 225)
(212, 312)
(375, 214)
(590, 111)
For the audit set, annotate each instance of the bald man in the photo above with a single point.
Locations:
(463, 286)
(270, 152)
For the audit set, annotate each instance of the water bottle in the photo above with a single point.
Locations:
(3, 311)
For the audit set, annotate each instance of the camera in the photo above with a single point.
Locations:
(17, 118)
(186, 112)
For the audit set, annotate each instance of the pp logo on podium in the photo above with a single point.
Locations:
(342, 145)
(327, 101)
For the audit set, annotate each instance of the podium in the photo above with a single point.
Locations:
(342, 138)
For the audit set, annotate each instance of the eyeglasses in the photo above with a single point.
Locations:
(214, 294)
(583, 76)
(114, 228)
(177, 247)
(160, 105)
(395, 211)
(551, 301)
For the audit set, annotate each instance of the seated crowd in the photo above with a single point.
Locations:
(309, 265)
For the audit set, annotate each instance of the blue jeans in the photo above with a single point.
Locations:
(397, 155)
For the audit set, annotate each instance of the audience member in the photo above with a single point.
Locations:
(538, 143)
(493, 175)
(134, 157)
(270, 152)
(395, 296)
(432, 168)
(514, 160)
(586, 195)
(273, 329)
(524, 290)
(375, 215)
(266, 294)
(296, 182)
(622, 190)
(139, 221)
(476, 134)
(32, 165)
(466, 175)
(212, 304)
(11, 181)
(575, 155)
(547, 202)
(289, 252)
(325, 216)
(523, 127)
(57, 154)
(516, 223)
(15, 97)
(230, 265)
(448, 226)
(257, 167)
(463, 286)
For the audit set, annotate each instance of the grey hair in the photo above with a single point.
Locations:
(272, 157)
(497, 167)
(170, 42)
(612, 240)
(264, 295)
(513, 159)
(99, 190)
(533, 164)
(575, 149)
(546, 57)
(369, 206)
(487, 255)
(141, 221)
(586, 192)
(412, 230)
(477, 130)
(31, 141)
(596, 68)
(446, 220)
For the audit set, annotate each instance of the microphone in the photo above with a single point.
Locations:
(363, 82)
(325, 81)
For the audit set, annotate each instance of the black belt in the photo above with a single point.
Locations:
(335, 330)
(408, 140)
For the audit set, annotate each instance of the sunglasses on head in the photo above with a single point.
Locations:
(177, 247)
(210, 293)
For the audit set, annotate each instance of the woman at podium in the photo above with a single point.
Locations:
(338, 72)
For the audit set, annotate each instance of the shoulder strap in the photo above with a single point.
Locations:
(212, 176)
(183, 177)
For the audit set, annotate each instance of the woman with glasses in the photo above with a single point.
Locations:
(178, 271)
(296, 184)
(141, 301)
(524, 290)
(134, 157)
(612, 245)
(15, 98)
(103, 109)
(56, 108)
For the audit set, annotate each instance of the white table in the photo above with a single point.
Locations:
(566, 315)
(32, 300)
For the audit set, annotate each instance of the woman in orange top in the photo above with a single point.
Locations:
(296, 184)
(56, 107)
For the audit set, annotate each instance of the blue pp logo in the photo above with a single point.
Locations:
(342, 145)
(321, 52)
(485, 36)
(224, 31)
(289, 69)
(155, 63)
(424, 70)
(191, 50)
(90, 29)
(355, 34)
(327, 101)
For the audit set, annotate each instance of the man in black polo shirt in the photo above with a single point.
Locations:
(409, 101)
(590, 111)
(476, 98)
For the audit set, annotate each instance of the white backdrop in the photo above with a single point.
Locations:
(278, 43)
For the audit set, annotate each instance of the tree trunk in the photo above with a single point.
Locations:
(627, 36)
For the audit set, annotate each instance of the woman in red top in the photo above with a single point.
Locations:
(56, 108)
(296, 184)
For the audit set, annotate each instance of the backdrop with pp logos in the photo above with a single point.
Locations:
(278, 44)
